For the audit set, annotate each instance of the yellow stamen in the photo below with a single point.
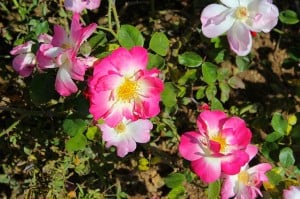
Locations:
(241, 13)
(120, 128)
(221, 140)
(128, 90)
(243, 177)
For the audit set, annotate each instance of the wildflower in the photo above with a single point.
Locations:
(121, 86)
(218, 147)
(237, 19)
(25, 60)
(60, 51)
(292, 193)
(246, 184)
(78, 5)
(125, 135)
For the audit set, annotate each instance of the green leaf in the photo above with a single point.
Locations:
(220, 56)
(42, 88)
(216, 104)
(209, 71)
(211, 92)
(286, 157)
(99, 39)
(174, 180)
(200, 92)
(189, 74)
(278, 123)
(190, 59)
(223, 74)
(92, 132)
(272, 137)
(155, 61)
(243, 62)
(288, 17)
(76, 143)
(225, 91)
(74, 127)
(129, 36)
(159, 43)
(214, 190)
(168, 95)
(177, 193)
(236, 82)
(274, 176)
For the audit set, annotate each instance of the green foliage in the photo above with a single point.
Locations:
(169, 96)
(174, 180)
(155, 61)
(209, 71)
(159, 43)
(286, 157)
(190, 59)
(74, 126)
(129, 36)
(214, 189)
(288, 17)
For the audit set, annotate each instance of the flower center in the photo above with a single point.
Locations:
(243, 177)
(120, 128)
(241, 13)
(128, 90)
(221, 140)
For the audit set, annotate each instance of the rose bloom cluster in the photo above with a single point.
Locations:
(122, 91)
(221, 149)
(59, 51)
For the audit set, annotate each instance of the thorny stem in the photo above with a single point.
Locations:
(109, 15)
(109, 30)
(115, 13)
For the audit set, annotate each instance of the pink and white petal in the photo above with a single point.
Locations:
(231, 3)
(229, 186)
(139, 130)
(139, 57)
(24, 64)
(75, 5)
(22, 48)
(64, 84)
(124, 62)
(252, 151)
(78, 69)
(108, 133)
(113, 118)
(232, 164)
(60, 36)
(292, 193)
(190, 146)
(264, 15)
(107, 83)
(79, 33)
(149, 107)
(207, 168)
(43, 61)
(236, 132)
(45, 38)
(150, 86)
(104, 67)
(210, 122)
(260, 171)
(216, 19)
(125, 147)
(100, 105)
(239, 38)
(93, 4)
